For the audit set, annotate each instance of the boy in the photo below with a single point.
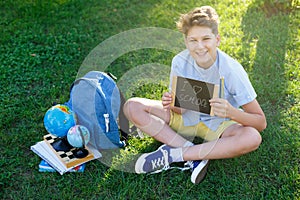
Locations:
(229, 133)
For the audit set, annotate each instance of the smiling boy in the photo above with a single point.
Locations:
(234, 129)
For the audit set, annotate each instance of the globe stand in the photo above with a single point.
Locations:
(61, 144)
(81, 152)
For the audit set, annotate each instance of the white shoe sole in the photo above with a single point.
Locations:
(199, 173)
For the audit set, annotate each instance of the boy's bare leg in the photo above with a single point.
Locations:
(150, 117)
(235, 141)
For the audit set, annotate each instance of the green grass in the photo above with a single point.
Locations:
(42, 46)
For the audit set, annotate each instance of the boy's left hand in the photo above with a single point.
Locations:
(221, 107)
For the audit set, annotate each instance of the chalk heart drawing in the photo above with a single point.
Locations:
(197, 89)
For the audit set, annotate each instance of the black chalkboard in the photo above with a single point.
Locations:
(193, 94)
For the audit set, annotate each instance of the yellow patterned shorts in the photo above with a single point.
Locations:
(198, 130)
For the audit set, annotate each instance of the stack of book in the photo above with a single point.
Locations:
(61, 161)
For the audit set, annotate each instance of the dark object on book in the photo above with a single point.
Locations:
(61, 144)
(80, 152)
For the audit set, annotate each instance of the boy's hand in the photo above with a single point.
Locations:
(221, 107)
(167, 100)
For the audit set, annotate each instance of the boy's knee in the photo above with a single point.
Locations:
(131, 106)
(254, 139)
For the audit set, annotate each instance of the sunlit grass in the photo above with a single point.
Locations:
(42, 46)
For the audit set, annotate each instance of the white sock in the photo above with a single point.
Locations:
(176, 154)
(188, 144)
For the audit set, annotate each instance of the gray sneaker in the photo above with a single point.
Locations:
(199, 170)
(154, 162)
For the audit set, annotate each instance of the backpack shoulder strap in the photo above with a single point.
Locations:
(123, 121)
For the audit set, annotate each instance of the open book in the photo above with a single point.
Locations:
(62, 161)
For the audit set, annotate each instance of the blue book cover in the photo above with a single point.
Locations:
(45, 167)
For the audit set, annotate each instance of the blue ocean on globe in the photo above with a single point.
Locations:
(58, 120)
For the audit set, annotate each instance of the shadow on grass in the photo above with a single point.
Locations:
(266, 30)
(60, 34)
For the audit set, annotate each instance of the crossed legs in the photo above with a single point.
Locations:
(151, 118)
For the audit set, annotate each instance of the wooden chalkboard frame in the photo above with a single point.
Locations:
(193, 94)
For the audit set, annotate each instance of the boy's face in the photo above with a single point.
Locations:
(202, 45)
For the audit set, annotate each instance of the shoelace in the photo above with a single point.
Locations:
(187, 166)
(162, 161)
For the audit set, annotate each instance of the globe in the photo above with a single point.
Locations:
(78, 136)
(58, 120)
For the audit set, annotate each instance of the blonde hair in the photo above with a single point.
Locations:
(200, 16)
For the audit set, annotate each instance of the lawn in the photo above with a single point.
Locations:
(45, 45)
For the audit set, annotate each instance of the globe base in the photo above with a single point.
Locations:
(80, 152)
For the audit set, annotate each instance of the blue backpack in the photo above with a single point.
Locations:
(97, 103)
